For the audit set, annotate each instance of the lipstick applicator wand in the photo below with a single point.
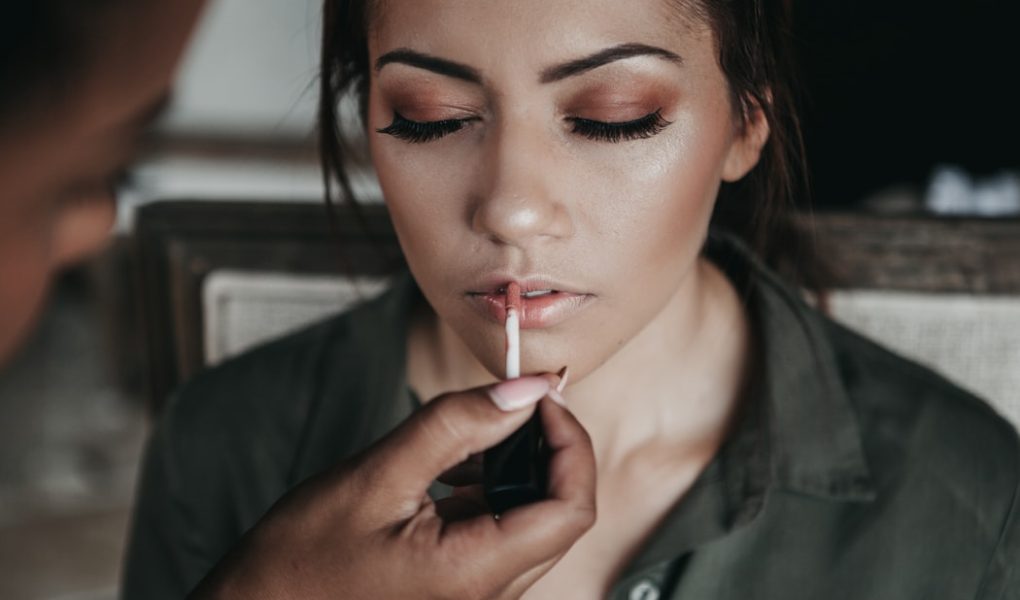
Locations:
(516, 469)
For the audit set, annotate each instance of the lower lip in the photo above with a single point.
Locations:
(536, 313)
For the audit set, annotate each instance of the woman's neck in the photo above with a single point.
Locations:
(676, 385)
(673, 387)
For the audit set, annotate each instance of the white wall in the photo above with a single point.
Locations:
(250, 71)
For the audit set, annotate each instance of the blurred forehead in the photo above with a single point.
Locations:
(123, 78)
(135, 62)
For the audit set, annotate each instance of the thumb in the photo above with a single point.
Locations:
(444, 433)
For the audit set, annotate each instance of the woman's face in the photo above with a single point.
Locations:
(574, 146)
(59, 161)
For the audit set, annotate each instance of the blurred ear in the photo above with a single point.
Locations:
(745, 151)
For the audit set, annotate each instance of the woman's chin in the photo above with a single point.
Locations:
(491, 355)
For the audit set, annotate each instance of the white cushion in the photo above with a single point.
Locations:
(973, 340)
(243, 308)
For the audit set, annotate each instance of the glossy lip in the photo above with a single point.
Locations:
(536, 313)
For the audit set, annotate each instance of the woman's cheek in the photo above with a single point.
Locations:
(685, 176)
(423, 191)
(654, 194)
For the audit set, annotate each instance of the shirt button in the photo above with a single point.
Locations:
(644, 590)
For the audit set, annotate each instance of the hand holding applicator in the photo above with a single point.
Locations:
(516, 468)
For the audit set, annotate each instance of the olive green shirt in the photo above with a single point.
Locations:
(852, 473)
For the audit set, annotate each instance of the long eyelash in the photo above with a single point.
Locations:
(418, 132)
(638, 129)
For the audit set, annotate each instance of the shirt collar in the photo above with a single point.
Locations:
(363, 391)
(800, 434)
(814, 440)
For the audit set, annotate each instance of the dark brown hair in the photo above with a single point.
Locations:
(751, 38)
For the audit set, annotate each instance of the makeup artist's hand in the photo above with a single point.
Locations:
(367, 528)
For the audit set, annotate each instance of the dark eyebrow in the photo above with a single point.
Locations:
(429, 63)
(603, 57)
(457, 70)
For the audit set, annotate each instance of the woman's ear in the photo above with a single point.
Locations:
(750, 138)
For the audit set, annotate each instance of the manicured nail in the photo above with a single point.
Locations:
(556, 397)
(564, 375)
(515, 394)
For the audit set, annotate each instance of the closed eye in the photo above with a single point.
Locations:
(419, 132)
(637, 129)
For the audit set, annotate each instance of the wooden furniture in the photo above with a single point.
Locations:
(921, 253)
(943, 292)
(178, 244)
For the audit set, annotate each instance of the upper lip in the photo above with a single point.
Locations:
(496, 285)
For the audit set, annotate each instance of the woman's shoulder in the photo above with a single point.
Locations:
(914, 420)
(237, 436)
(878, 377)
(906, 411)
(260, 376)
(273, 389)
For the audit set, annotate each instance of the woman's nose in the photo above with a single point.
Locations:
(518, 204)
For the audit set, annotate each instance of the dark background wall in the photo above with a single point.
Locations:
(896, 87)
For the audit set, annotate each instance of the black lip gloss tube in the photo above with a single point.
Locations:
(516, 469)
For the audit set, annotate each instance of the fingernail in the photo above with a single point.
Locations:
(564, 375)
(556, 397)
(516, 394)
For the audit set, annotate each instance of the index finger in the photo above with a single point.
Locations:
(531, 535)
(572, 458)
(445, 432)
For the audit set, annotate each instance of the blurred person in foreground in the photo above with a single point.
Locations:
(80, 81)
